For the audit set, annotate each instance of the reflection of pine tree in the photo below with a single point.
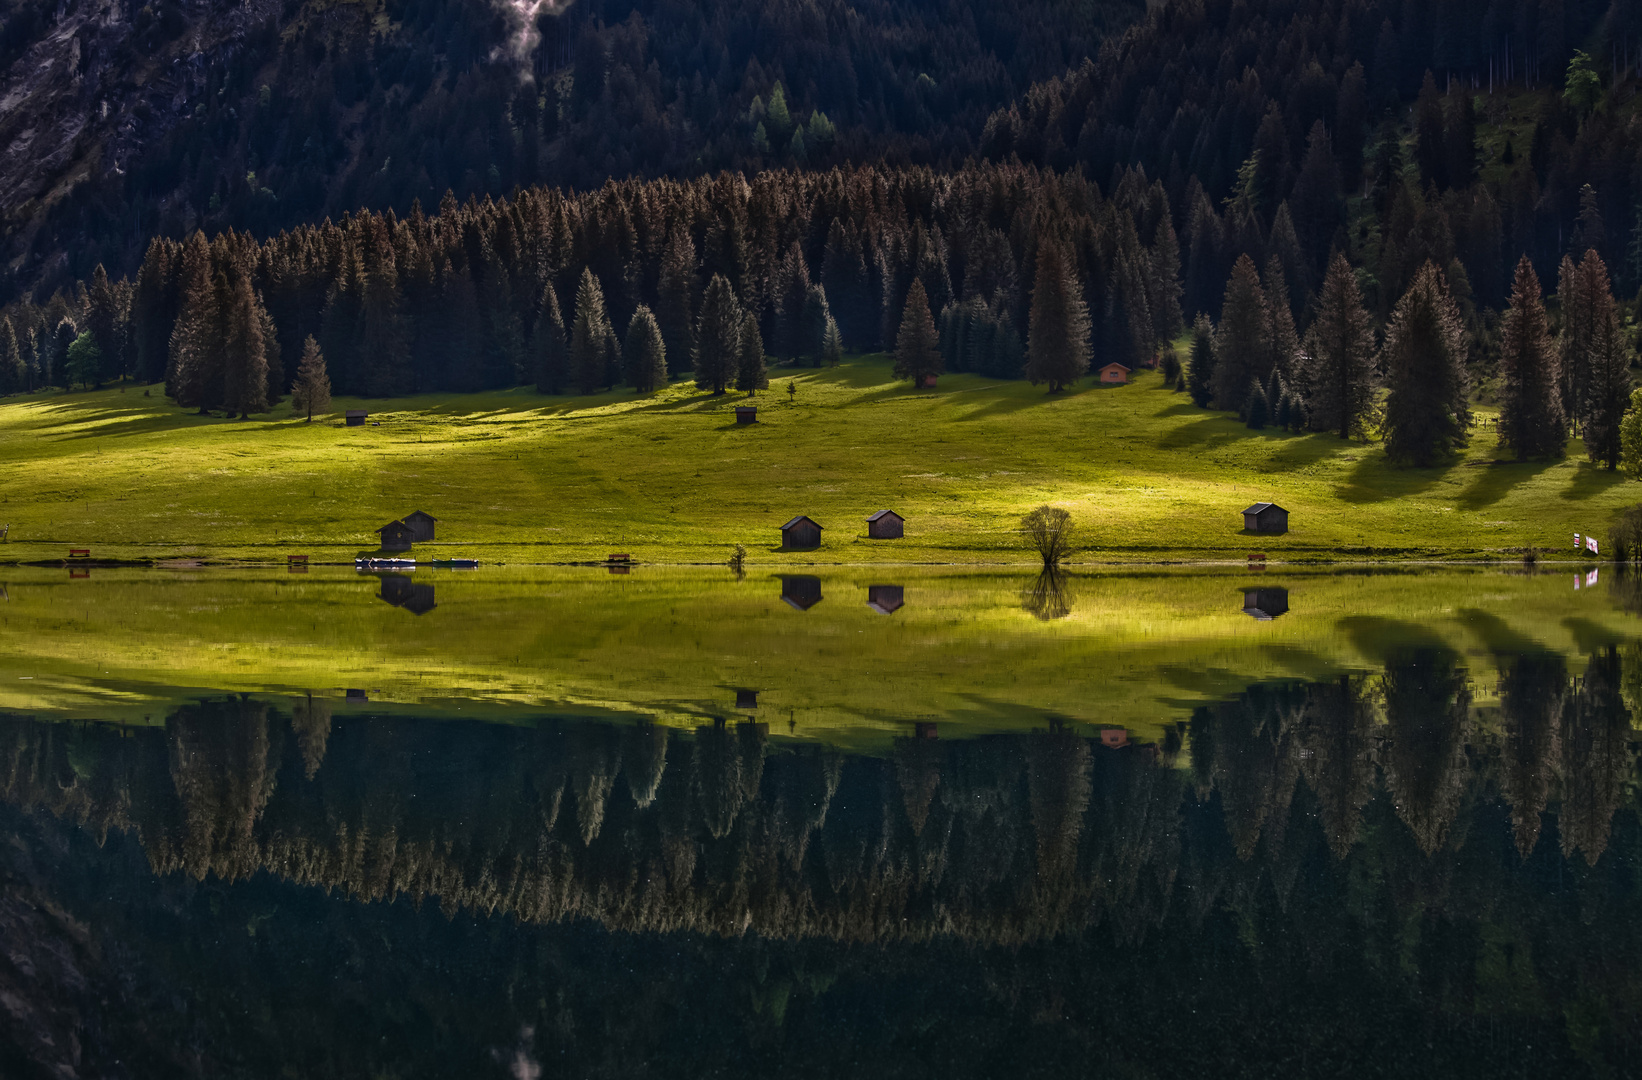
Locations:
(1531, 691)
(718, 778)
(1335, 756)
(594, 762)
(311, 721)
(1245, 746)
(1428, 707)
(1596, 758)
(219, 763)
(918, 772)
(644, 760)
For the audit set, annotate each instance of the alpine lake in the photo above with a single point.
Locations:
(633, 821)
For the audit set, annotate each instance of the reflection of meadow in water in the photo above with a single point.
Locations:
(1352, 849)
(847, 656)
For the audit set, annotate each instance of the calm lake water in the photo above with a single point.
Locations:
(1229, 823)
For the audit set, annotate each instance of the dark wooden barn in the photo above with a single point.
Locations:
(799, 533)
(1266, 603)
(801, 591)
(422, 524)
(885, 599)
(396, 536)
(1265, 517)
(885, 525)
(746, 414)
(355, 417)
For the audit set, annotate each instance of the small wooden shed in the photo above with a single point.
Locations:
(885, 525)
(801, 591)
(396, 536)
(421, 523)
(1114, 373)
(886, 599)
(1266, 517)
(746, 414)
(1266, 604)
(801, 532)
(355, 417)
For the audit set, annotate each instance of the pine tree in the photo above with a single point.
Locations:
(197, 342)
(13, 371)
(154, 308)
(1630, 437)
(547, 345)
(675, 295)
(1574, 348)
(1057, 337)
(1341, 344)
(311, 392)
(1531, 421)
(1243, 341)
(85, 360)
(644, 356)
(245, 359)
(1427, 415)
(917, 345)
(273, 362)
(791, 289)
(812, 327)
(1608, 387)
(1164, 286)
(107, 315)
(718, 336)
(751, 375)
(1256, 407)
(832, 344)
(1200, 364)
(591, 339)
(1283, 340)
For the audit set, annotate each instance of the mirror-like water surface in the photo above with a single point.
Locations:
(1171, 831)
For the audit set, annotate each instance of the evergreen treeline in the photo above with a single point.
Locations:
(312, 110)
(544, 288)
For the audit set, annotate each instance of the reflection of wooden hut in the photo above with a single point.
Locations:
(801, 532)
(1114, 737)
(802, 591)
(746, 414)
(400, 591)
(357, 695)
(396, 536)
(885, 599)
(1266, 604)
(746, 699)
(885, 525)
(1265, 517)
(923, 729)
(421, 523)
(420, 601)
(355, 417)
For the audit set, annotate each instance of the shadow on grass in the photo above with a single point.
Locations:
(1591, 479)
(1498, 637)
(1495, 480)
(1375, 479)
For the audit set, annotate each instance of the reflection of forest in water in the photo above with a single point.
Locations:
(1482, 862)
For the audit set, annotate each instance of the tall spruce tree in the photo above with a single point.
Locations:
(194, 379)
(1427, 415)
(675, 300)
(592, 338)
(1608, 386)
(13, 372)
(107, 316)
(1531, 420)
(1574, 348)
(1057, 336)
(813, 325)
(1243, 341)
(1200, 364)
(1341, 344)
(751, 374)
(644, 356)
(832, 344)
(1283, 341)
(718, 336)
(245, 356)
(311, 392)
(917, 344)
(548, 346)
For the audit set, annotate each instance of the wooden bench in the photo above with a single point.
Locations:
(622, 558)
(79, 553)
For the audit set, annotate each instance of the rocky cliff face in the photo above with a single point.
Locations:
(101, 80)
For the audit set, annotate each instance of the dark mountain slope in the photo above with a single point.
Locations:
(122, 121)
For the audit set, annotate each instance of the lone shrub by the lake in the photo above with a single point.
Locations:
(1049, 529)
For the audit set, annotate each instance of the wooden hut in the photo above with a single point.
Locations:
(1114, 374)
(801, 591)
(422, 524)
(885, 525)
(885, 599)
(396, 536)
(801, 532)
(1265, 604)
(746, 414)
(1266, 517)
(355, 417)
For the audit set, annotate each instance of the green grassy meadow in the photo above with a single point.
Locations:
(1136, 649)
(516, 477)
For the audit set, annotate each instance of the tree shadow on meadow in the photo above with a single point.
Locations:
(1591, 479)
(1495, 479)
(1375, 479)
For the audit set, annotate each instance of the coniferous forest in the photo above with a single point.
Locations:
(1354, 197)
